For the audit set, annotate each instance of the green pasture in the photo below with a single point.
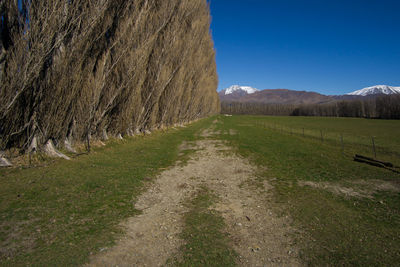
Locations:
(335, 229)
(357, 134)
(60, 214)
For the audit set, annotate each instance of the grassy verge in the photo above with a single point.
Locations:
(206, 243)
(59, 215)
(338, 229)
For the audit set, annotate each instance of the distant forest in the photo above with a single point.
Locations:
(77, 70)
(382, 107)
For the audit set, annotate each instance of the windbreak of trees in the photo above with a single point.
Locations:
(382, 107)
(353, 108)
(388, 107)
(77, 69)
(248, 108)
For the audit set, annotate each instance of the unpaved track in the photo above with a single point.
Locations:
(257, 235)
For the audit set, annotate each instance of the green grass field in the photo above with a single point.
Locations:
(356, 133)
(337, 229)
(60, 214)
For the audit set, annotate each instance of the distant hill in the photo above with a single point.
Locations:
(246, 94)
(372, 102)
(276, 96)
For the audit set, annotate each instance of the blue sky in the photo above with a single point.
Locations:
(331, 47)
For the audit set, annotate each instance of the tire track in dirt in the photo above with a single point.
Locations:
(257, 235)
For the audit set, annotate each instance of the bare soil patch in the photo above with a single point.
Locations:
(380, 185)
(258, 235)
(336, 189)
(232, 132)
(361, 188)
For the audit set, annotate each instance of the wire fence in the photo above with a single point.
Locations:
(348, 144)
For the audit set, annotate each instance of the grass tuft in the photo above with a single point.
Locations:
(206, 242)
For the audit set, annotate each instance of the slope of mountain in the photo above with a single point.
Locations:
(275, 96)
(376, 90)
(247, 94)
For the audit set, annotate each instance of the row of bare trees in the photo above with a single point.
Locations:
(252, 108)
(383, 107)
(78, 69)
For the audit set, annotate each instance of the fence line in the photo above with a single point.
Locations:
(338, 137)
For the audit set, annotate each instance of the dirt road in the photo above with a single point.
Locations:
(260, 237)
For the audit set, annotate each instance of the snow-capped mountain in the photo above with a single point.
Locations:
(377, 89)
(237, 88)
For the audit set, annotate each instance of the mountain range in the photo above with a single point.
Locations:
(248, 94)
(377, 90)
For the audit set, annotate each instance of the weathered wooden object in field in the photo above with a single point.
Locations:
(386, 164)
(376, 163)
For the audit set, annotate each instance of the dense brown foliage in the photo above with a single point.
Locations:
(75, 69)
(383, 107)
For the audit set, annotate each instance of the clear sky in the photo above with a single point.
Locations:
(327, 46)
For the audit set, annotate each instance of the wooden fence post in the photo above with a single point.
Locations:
(373, 146)
(341, 141)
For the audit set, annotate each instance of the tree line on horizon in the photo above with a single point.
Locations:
(380, 107)
(77, 70)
